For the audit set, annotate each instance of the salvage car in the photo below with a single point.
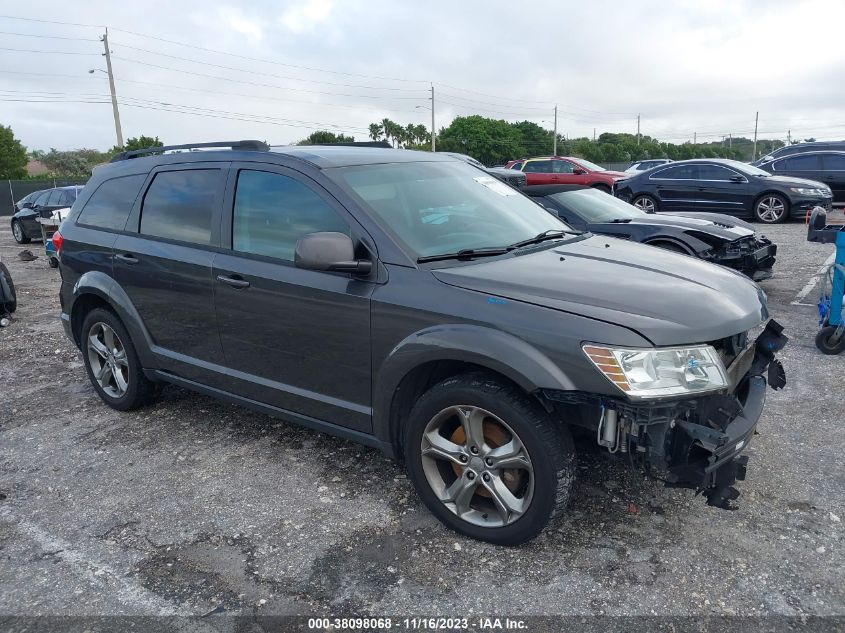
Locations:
(405, 301)
(25, 226)
(510, 176)
(723, 186)
(720, 239)
(565, 170)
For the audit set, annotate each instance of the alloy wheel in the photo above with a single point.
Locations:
(477, 466)
(645, 203)
(771, 209)
(107, 357)
(17, 231)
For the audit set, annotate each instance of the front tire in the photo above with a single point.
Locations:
(18, 233)
(826, 342)
(772, 208)
(645, 203)
(112, 363)
(488, 461)
(8, 296)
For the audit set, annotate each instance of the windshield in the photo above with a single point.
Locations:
(443, 207)
(745, 168)
(595, 206)
(589, 165)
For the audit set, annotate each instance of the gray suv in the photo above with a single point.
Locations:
(411, 302)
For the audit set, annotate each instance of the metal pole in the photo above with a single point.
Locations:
(432, 117)
(554, 142)
(117, 128)
(638, 130)
(754, 152)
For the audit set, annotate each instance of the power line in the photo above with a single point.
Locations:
(15, 17)
(51, 37)
(27, 50)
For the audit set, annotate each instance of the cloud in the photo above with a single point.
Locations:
(238, 22)
(307, 15)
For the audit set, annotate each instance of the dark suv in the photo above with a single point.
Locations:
(411, 302)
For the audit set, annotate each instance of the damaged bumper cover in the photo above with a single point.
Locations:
(752, 256)
(695, 442)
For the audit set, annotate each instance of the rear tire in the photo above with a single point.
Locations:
(646, 203)
(18, 233)
(112, 363)
(8, 296)
(487, 460)
(825, 342)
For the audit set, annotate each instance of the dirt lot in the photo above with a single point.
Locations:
(192, 505)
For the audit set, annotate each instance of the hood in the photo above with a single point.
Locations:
(615, 174)
(723, 227)
(789, 181)
(670, 299)
(715, 218)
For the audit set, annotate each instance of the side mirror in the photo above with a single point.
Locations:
(578, 171)
(737, 179)
(329, 251)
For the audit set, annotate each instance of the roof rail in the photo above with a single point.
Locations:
(383, 144)
(257, 146)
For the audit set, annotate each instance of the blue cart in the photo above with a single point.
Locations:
(831, 336)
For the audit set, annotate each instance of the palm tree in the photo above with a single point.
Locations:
(388, 126)
(375, 131)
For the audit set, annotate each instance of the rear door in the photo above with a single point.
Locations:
(800, 166)
(164, 265)
(833, 174)
(676, 187)
(293, 338)
(539, 172)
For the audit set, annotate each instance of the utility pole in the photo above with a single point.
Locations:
(789, 137)
(638, 130)
(117, 128)
(694, 138)
(754, 152)
(730, 141)
(594, 135)
(554, 142)
(432, 117)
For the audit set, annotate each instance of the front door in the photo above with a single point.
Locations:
(295, 339)
(164, 266)
(722, 190)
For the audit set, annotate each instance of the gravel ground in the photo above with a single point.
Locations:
(193, 505)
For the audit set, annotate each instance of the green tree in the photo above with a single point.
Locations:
(536, 140)
(73, 163)
(323, 137)
(488, 140)
(376, 131)
(13, 156)
(136, 143)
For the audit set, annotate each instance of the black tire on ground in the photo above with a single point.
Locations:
(8, 296)
(646, 203)
(53, 261)
(601, 187)
(825, 342)
(548, 445)
(18, 233)
(771, 208)
(140, 390)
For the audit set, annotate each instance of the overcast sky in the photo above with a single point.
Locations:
(277, 70)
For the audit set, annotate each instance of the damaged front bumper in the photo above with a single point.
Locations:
(695, 442)
(752, 256)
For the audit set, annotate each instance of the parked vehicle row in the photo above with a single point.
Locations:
(410, 302)
(40, 204)
(723, 186)
(564, 170)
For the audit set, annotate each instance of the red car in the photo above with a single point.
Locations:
(563, 170)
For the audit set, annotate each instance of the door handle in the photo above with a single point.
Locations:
(129, 258)
(234, 281)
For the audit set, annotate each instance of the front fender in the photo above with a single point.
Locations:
(493, 349)
(103, 286)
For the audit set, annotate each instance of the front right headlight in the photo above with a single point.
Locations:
(660, 372)
(809, 191)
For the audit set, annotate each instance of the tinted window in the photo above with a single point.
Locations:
(41, 200)
(53, 199)
(562, 167)
(592, 205)
(273, 211)
(683, 172)
(802, 162)
(64, 198)
(833, 162)
(538, 167)
(179, 205)
(110, 204)
(516, 166)
(714, 172)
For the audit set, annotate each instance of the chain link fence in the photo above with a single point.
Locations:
(13, 190)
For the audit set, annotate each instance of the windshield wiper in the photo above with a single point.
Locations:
(551, 234)
(466, 253)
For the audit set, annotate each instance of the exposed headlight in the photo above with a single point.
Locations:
(660, 372)
(806, 191)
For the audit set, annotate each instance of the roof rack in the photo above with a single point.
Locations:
(383, 144)
(257, 146)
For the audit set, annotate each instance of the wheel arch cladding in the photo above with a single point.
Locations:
(97, 289)
(424, 358)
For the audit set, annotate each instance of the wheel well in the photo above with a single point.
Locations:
(81, 307)
(419, 380)
(600, 185)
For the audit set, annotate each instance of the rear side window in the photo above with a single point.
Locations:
(833, 162)
(273, 211)
(538, 167)
(715, 172)
(678, 172)
(109, 206)
(179, 205)
(805, 162)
